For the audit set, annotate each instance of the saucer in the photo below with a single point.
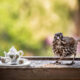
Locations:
(26, 63)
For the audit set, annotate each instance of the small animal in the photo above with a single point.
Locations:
(64, 46)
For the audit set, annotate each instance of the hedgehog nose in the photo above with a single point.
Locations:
(57, 37)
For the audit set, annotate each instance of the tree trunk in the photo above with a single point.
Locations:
(77, 20)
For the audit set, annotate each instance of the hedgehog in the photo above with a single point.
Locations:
(64, 46)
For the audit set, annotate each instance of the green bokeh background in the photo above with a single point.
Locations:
(26, 24)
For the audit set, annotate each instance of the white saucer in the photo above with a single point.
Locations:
(27, 63)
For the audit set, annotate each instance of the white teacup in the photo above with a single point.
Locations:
(5, 60)
(21, 61)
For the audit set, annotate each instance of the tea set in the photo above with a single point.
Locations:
(14, 57)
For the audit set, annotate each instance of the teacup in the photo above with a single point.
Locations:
(4, 59)
(21, 61)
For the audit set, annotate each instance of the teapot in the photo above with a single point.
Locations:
(14, 55)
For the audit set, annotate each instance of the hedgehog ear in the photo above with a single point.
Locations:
(61, 33)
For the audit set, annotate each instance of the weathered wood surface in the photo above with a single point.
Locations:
(42, 68)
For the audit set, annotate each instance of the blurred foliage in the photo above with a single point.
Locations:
(27, 23)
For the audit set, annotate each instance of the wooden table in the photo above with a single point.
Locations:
(42, 68)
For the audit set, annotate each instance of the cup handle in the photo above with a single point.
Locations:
(21, 53)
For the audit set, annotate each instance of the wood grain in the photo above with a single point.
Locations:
(40, 73)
